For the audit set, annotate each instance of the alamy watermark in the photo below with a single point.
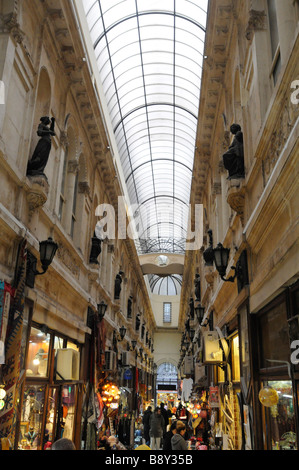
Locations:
(138, 222)
(295, 94)
(2, 92)
(295, 353)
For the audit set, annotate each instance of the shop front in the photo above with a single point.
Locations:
(276, 398)
(51, 391)
(221, 398)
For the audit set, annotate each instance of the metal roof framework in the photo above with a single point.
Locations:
(149, 54)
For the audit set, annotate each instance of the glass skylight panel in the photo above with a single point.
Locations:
(155, 5)
(150, 55)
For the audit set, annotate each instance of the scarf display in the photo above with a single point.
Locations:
(12, 368)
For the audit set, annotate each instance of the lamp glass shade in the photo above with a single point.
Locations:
(102, 307)
(133, 343)
(221, 256)
(199, 312)
(122, 332)
(47, 250)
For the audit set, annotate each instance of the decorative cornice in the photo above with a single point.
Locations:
(256, 22)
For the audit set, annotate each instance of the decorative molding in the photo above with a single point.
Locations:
(236, 197)
(279, 135)
(256, 22)
(9, 22)
(68, 260)
(84, 188)
(38, 193)
(64, 139)
(216, 188)
(73, 166)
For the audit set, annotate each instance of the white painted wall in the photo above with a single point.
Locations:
(167, 347)
(157, 307)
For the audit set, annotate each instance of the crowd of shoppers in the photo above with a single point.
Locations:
(156, 433)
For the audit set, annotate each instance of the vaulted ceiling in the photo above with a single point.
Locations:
(149, 55)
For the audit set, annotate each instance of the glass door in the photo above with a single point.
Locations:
(51, 418)
(281, 419)
(30, 435)
(66, 411)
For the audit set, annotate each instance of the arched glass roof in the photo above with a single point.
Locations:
(149, 55)
(165, 285)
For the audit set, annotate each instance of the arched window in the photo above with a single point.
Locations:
(167, 374)
(69, 180)
(80, 213)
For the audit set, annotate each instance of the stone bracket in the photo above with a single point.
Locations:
(236, 196)
(38, 193)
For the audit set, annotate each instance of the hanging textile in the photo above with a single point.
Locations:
(101, 343)
(12, 367)
(137, 380)
(101, 410)
(187, 389)
(6, 293)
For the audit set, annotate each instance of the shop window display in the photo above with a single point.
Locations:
(67, 412)
(47, 410)
(32, 417)
(38, 353)
(282, 417)
(49, 434)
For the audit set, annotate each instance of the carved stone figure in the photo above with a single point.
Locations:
(233, 159)
(95, 249)
(39, 159)
(117, 286)
(197, 287)
(137, 322)
(129, 309)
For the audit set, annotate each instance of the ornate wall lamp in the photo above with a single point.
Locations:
(102, 307)
(119, 336)
(220, 257)
(185, 344)
(132, 346)
(191, 305)
(199, 312)
(209, 322)
(47, 251)
(139, 354)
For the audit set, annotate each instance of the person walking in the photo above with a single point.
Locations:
(165, 417)
(178, 441)
(146, 425)
(156, 429)
(168, 436)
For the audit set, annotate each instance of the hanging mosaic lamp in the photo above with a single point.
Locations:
(268, 396)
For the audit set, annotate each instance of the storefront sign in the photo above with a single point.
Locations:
(214, 398)
(128, 374)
